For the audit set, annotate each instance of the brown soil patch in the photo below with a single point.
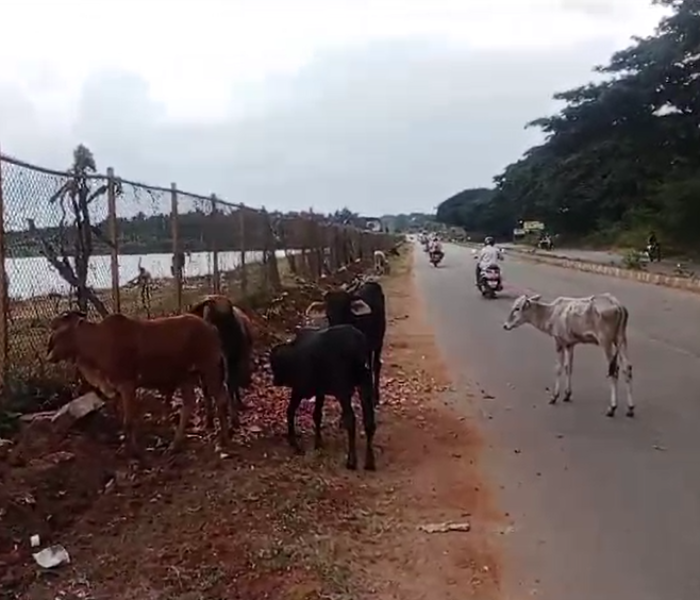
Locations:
(431, 475)
(262, 523)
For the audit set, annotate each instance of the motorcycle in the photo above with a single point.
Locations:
(436, 256)
(653, 252)
(490, 281)
(546, 244)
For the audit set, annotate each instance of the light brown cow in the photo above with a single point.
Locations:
(600, 319)
(120, 354)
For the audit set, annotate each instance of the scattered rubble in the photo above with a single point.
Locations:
(445, 527)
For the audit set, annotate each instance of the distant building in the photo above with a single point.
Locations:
(389, 224)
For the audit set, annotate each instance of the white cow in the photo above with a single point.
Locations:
(600, 319)
(381, 264)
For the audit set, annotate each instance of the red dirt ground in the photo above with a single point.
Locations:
(262, 523)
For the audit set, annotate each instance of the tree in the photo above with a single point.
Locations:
(623, 152)
(474, 210)
(75, 231)
(344, 216)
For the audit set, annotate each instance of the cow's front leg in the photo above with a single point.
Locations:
(568, 370)
(557, 373)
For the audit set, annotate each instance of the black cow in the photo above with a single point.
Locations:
(325, 361)
(362, 305)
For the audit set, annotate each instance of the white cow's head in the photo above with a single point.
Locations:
(521, 311)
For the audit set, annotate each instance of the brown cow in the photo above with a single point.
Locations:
(120, 354)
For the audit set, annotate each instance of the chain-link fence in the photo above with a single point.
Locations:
(100, 243)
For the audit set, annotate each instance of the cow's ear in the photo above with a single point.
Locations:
(359, 307)
(316, 310)
(534, 298)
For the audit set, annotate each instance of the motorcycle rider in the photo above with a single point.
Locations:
(653, 245)
(488, 255)
(436, 246)
(545, 241)
(652, 241)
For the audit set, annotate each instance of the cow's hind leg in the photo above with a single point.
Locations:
(613, 374)
(369, 422)
(376, 366)
(234, 389)
(294, 403)
(350, 426)
(318, 420)
(627, 374)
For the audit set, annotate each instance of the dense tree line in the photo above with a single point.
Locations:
(622, 155)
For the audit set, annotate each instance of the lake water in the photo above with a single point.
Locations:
(34, 276)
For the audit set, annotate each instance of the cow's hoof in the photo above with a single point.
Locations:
(553, 399)
(351, 465)
(296, 447)
(611, 411)
(630, 411)
(175, 447)
(567, 397)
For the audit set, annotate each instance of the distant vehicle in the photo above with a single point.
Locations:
(545, 243)
(653, 252)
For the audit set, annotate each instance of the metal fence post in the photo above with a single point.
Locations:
(4, 296)
(244, 272)
(114, 239)
(178, 256)
(214, 248)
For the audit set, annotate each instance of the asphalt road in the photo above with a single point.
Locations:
(602, 508)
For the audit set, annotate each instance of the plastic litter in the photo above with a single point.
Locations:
(51, 557)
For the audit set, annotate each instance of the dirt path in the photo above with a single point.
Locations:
(266, 524)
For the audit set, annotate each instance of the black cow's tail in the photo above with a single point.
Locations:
(223, 369)
(363, 379)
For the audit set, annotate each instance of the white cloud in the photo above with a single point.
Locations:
(375, 103)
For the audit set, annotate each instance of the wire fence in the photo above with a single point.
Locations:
(103, 244)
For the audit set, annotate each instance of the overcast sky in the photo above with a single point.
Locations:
(380, 105)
